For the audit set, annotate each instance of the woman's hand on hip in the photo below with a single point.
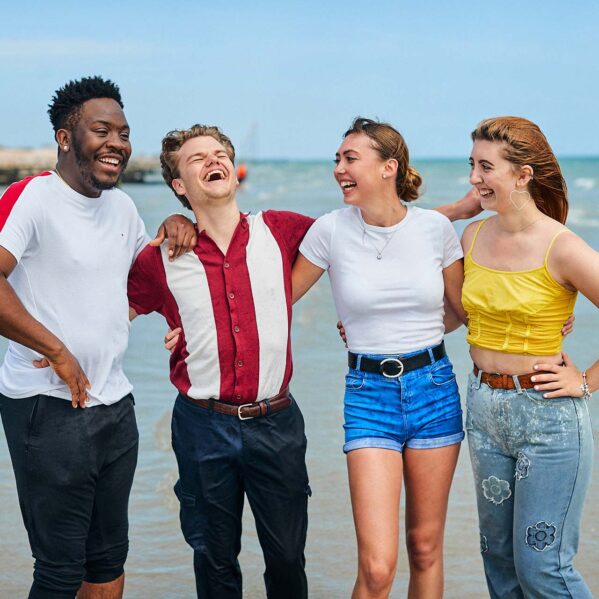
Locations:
(558, 380)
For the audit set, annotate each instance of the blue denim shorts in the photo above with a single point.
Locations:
(420, 409)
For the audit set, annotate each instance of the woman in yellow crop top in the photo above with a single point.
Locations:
(528, 423)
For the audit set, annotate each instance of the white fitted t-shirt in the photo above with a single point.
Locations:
(73, 256)
(393, 305)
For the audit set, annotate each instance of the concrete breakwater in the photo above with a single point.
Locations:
(17, 163)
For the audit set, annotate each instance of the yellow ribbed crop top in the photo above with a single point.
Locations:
(515, 312)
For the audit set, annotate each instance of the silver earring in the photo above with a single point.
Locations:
(65, 147)
(384, 176)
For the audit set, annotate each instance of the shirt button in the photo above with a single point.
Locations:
(239, 363)
(236, 328)
(238, 397)
(226, 265)
(231, 295)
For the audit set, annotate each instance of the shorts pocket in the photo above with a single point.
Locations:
(537, 397)
(442, 373)
(354, 382)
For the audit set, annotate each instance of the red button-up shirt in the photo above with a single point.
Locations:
(234, 309)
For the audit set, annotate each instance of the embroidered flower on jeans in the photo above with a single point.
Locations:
(496, 490)
(484, 547)
(522, 465)
(541, 535)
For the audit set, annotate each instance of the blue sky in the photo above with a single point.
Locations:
(284, 80)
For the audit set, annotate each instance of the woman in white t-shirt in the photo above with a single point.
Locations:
(390, 267)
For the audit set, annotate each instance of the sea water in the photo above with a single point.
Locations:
(160, 563)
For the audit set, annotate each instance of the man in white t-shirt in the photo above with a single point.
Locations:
(68, 238)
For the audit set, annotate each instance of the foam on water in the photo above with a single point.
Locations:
(584, 218)
(585, 183)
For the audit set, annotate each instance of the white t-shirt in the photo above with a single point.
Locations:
(73, 256)
(393, 305)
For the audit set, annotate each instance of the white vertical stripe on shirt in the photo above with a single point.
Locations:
(188, 282)
(265, 266)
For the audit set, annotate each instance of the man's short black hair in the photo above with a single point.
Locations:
(65, 108)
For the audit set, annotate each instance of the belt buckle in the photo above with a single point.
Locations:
(239, 412)
(497, 379)
(397, 362)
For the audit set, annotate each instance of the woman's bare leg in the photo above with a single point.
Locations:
(428, 474)
(375, 487)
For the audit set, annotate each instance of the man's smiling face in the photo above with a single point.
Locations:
(101, 146)
(205, 171)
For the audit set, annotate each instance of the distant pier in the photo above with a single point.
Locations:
(18, 163)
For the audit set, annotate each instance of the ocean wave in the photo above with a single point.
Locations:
(162, 432)
(585, 183)
(164, 490)
(264, 196)
(582, 217)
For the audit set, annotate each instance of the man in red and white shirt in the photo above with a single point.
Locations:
(231, 297)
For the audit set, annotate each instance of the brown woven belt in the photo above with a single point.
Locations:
(506, 381)
(247, 411)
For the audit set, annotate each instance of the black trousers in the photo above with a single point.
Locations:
(221, 459)
(74, 470)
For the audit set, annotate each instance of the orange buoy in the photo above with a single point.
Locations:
(242, 172)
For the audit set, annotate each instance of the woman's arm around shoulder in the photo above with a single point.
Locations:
(575, 264)
(464, 208)
(453, 279)
(303, 276)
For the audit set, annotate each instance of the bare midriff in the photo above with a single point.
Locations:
(489, 360)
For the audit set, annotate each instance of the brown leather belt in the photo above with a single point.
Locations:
(506, 381)
(247, 411)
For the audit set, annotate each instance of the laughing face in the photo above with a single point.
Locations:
(359, 169)
(206, 172)
(493, 175)
(100, 145)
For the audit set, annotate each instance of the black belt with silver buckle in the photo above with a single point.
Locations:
(395, 366)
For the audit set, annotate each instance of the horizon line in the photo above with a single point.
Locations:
(451, 157)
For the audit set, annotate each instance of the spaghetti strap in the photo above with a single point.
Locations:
(551, 244)
(480, 224)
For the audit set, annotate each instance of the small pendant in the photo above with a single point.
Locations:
(379, 257)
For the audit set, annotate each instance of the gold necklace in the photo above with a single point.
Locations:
(529, 225)
(523, 228)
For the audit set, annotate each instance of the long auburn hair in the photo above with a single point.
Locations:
(524, 143)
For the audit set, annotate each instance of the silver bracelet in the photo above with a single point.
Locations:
(586, 392)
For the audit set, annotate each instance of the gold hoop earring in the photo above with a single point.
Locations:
(519, 199)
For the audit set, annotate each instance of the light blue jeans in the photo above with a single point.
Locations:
(532, 461)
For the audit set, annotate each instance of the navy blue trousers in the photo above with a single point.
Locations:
(222, 459)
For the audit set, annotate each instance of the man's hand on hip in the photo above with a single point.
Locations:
(66, 366)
